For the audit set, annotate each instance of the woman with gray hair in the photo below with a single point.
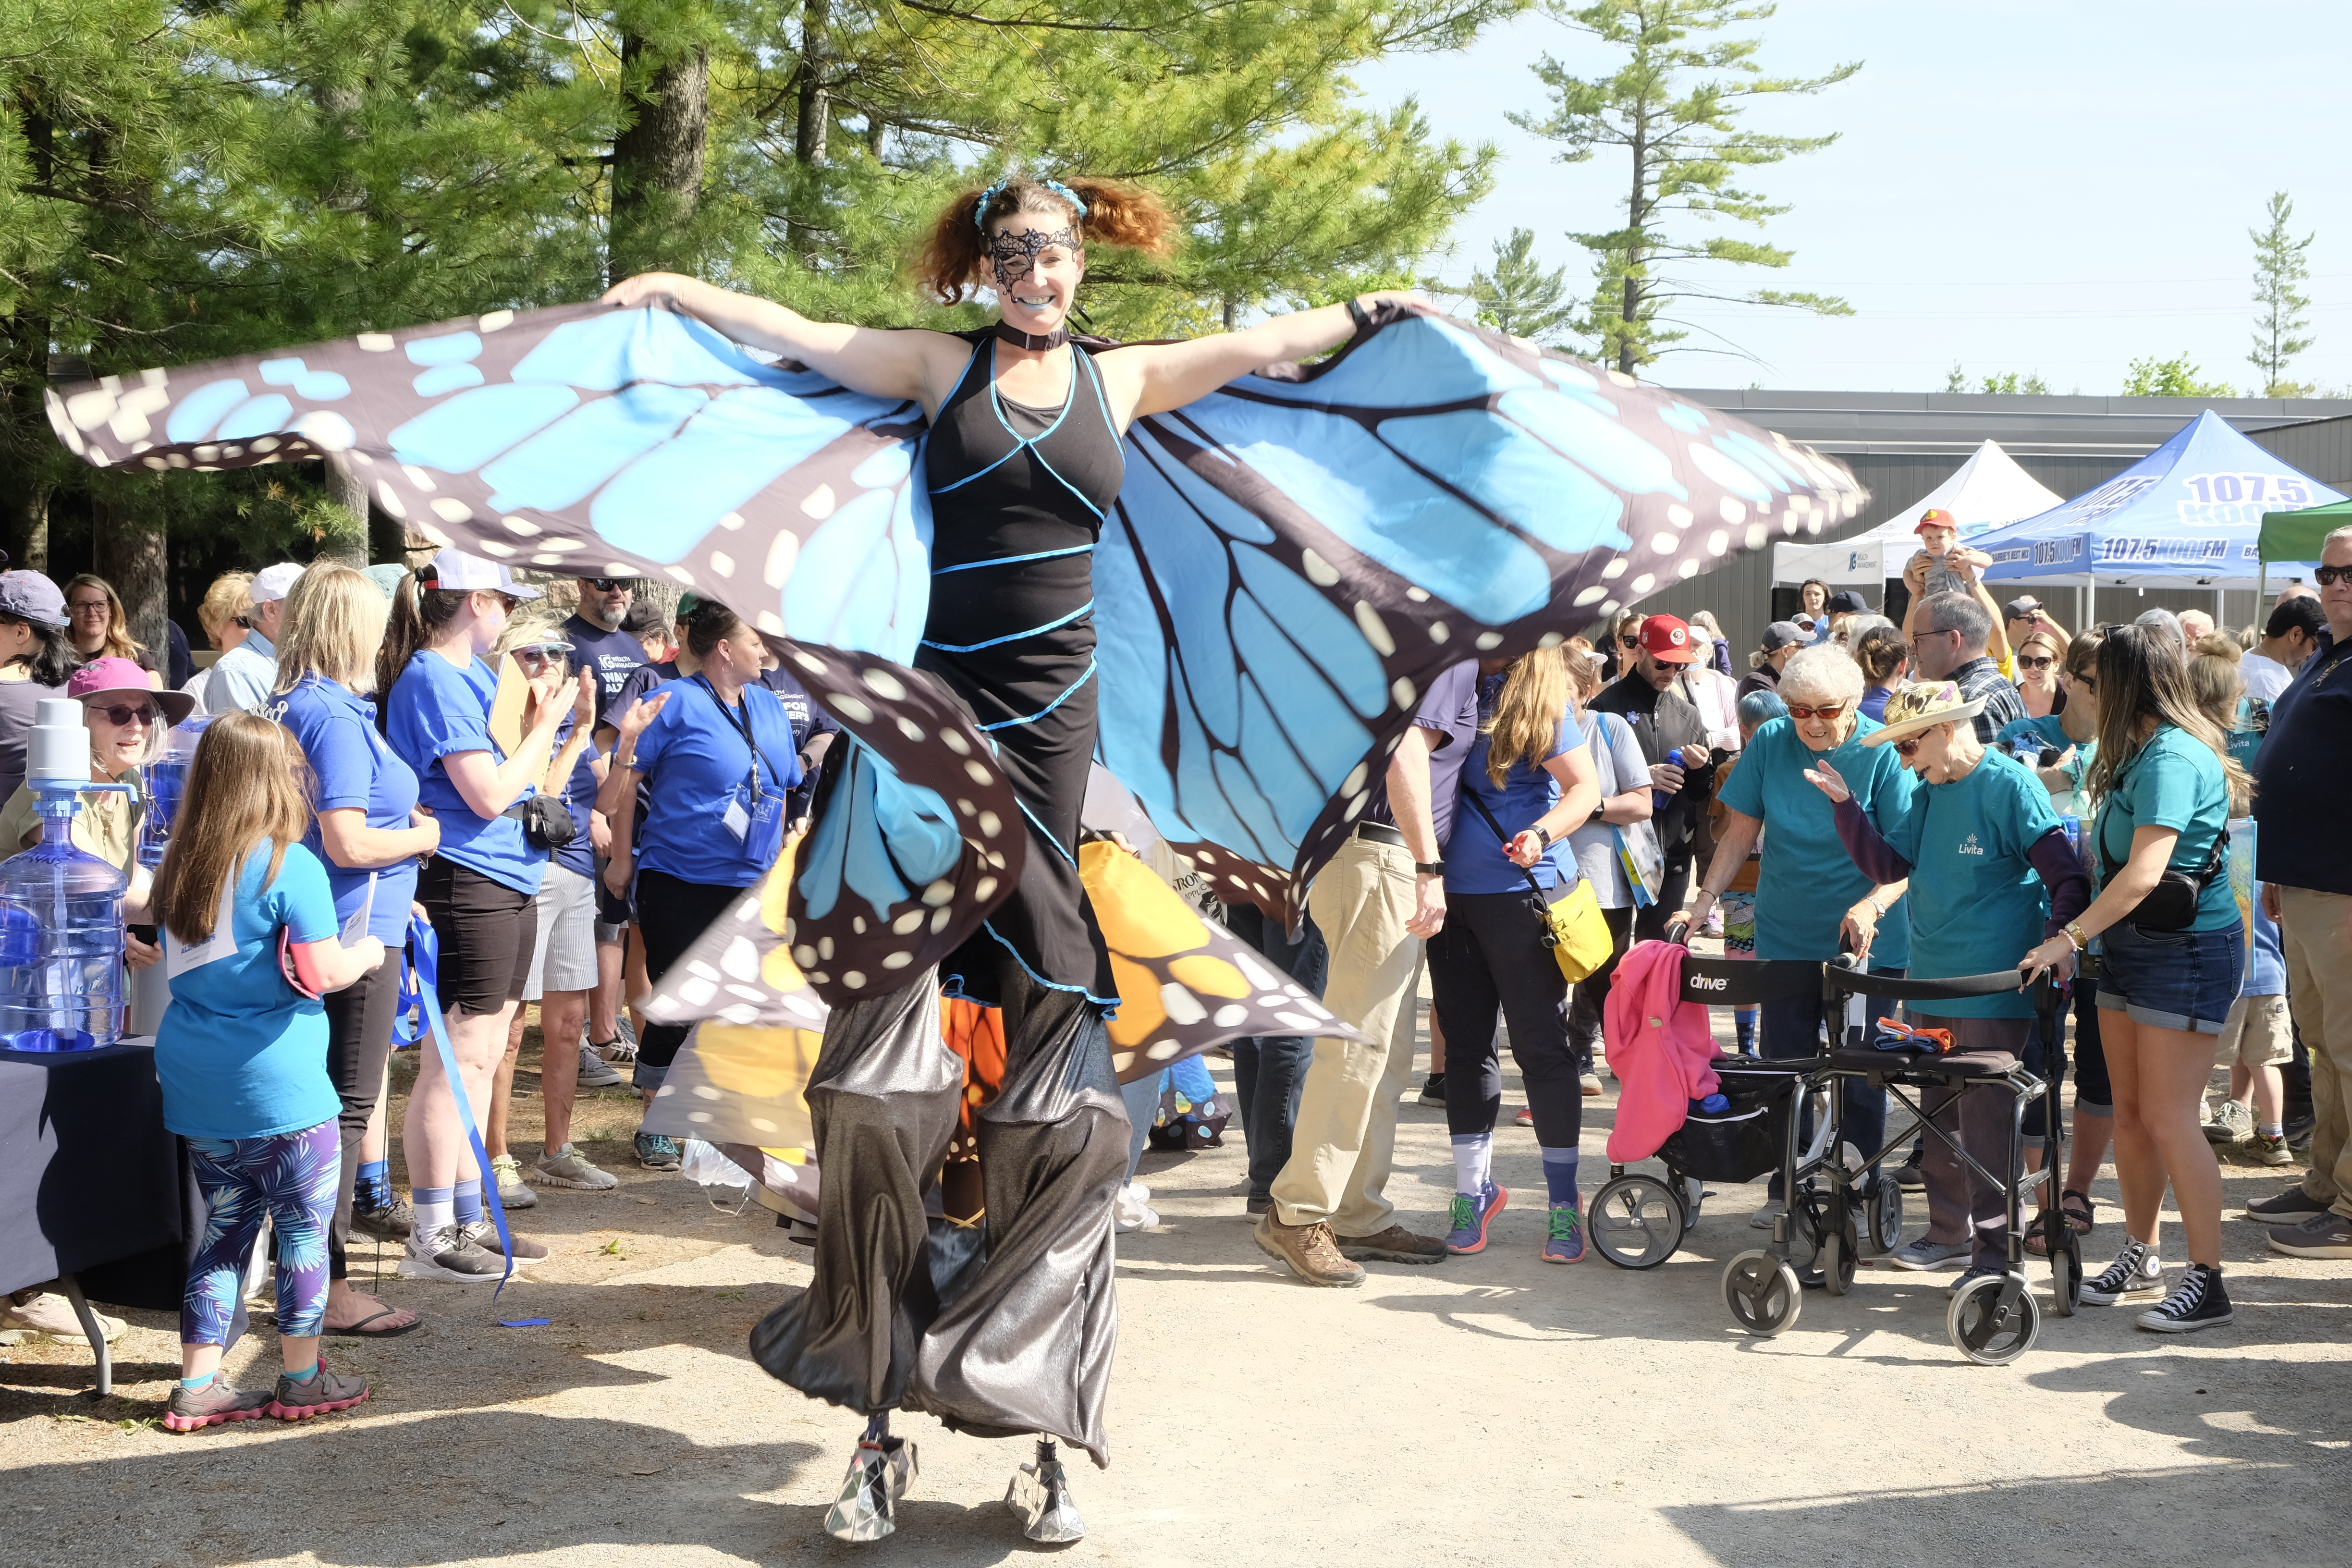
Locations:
(1811, 901)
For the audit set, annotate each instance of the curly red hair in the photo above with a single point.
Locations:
(1129, 217)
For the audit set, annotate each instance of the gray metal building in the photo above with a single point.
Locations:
(1903, 445)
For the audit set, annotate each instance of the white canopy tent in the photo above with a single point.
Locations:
(1989, 491)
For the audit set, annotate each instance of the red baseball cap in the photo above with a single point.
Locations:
(1936, 516)
(1668, 640)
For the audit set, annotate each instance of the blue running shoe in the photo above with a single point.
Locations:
(1470, 1219)
(1566, 1242)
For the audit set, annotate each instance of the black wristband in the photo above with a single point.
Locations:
(1433, 868)
(1359, 316)
(1539, 831)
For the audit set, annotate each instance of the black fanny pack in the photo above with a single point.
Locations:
(2171, 904)
(547, 822)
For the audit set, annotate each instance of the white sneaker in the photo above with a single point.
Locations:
(595, 1072)
(1762, 1218)
(1132, 1212)
(511, 1191)
(568, 1167)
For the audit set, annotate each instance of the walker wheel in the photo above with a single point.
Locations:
(1994, 1320)
(1762, 1293)
(1805, 1237)
(1886, 1211)
(2066, 1276)
(1840, 1257)
(1636, 1221)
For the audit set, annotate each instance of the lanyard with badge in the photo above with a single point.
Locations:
(761, 829)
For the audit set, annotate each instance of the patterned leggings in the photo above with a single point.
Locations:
(291, 1177)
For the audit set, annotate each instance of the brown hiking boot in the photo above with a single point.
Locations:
(1308, 1250)
(1394, 1245)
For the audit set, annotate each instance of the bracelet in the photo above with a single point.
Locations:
(629, 761)
(1360, 317)
(2075, 934)
(1541, 832)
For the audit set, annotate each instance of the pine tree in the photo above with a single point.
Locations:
(2279, 265)
(1673, 106)
(1519, 297)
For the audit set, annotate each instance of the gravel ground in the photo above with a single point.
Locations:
(1487, 1409)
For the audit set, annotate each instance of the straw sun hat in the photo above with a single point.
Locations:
(1919, 707)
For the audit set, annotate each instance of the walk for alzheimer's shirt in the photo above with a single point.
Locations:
(2301, 775)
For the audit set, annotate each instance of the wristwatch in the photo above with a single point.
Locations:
(2075, 934)
(1541, 832)
(1431, 867)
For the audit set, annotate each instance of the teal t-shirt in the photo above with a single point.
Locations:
(1806, 881)
(2175, 782)
(241, 1053)
(1976, 904)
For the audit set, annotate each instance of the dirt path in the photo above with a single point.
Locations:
(1486, 1410)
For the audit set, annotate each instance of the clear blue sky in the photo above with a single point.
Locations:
(2056, 185)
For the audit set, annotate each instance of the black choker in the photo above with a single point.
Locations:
(1031, 341)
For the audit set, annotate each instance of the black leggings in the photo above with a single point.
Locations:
(1490, 959)
(359, 1043)
(671, 914)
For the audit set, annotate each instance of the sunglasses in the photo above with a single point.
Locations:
(1831, 712)
(608, 584)
(1629, 642)
(124, 716)
(2024, 663)
(537, 653)
(1904, 748)
(2328, 577)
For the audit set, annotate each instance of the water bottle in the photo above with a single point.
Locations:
(167, 776)
(61, 986)
(2073, 827)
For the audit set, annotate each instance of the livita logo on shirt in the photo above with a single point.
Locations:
(1970, 845)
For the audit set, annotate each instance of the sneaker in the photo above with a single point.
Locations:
(622, 1048)
(511, 1191)
(393, 1221)
(449, 1253)
(1589, 1082)
(1970, 1275)
(1256, 1206)
(51, 1314)
(1308, 1251)
(2289, 1207)
(595, 1072)
(1565, 1244)
(1394, 1245)
(1470, 1217)
(1130, 1213)
(656, 1152)
(2265, 1149)
(2231, 1125)
(2322, 1236)
(1526, 1118)
(1922, 1255)
(321, 1394)
(485, 1235)
(1433, 1089)
(1762, 1218)
(568, 1167)
(2299, 1132)
(2199, 1301)
(2136, 1272)
(1908, 1176)
(215, 1404)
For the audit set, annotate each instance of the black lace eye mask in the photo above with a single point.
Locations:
(1015, 255)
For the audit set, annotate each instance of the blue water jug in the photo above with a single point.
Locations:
(61, 977)
(167, 776)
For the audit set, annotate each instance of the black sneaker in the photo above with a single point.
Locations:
(1433, 1089)
(2299, 1124)
(2292, 1206)
(2135, 1274)
(656, 1152)
(2199, 1301)
(1908, 1176)
(391, 1221)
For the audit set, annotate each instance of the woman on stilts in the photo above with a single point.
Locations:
(1023, 460)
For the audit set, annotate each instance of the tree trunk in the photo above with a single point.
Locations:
(129, 548)
(348, 490)
(36, 528)
(816, 118)
(657, 161)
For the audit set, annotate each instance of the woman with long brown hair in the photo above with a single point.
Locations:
(102, 628)
(1022, 460)
(2172, 953)
(1528, 781)
(251, 943)
(2039, 659)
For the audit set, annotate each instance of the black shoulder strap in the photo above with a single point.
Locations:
(1480, 807)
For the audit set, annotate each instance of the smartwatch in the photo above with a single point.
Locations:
(1433, 867)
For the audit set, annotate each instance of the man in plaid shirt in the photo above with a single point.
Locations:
(1947, 643)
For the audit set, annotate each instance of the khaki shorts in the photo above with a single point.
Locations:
(2255, 1034)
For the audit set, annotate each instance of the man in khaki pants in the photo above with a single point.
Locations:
(1380, 897)
(2304, 860)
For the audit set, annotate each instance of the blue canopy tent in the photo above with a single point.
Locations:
(2190, 514)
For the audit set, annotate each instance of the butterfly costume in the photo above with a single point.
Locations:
(1234, 608)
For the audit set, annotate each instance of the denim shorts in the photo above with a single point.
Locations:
(2171, 980)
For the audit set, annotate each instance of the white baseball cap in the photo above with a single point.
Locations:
(456, 572)
(273, 582)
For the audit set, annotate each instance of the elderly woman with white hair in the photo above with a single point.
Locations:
(1811, 901)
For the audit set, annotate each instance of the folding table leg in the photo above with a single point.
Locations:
(93, 1331)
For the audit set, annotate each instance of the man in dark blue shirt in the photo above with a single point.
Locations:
(602, 647)
(2304, 861)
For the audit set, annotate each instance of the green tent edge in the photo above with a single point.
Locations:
(2295, 536)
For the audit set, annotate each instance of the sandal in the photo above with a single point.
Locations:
(360, 1330)
(2078, 1220)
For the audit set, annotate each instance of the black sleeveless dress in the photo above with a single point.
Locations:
(1003, 1326)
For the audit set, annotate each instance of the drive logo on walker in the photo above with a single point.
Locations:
(1970, 845)
(1708, 982)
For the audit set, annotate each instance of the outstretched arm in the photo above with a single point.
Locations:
(1152, 378)
(879, 364)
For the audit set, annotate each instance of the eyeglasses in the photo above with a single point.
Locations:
(608, 584)
(1904, 748)
(122, 715)
(2025, 663)
(2328, 577)
(82, 605)
(1831, 712)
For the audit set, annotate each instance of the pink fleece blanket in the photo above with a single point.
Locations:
(1660, 1047)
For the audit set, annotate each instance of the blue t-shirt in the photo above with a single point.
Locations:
(241, 1053)
(2174, 782)
(353, 768)
(611, 657)
(1449, 709)
(1977, 904)
(1474, 860)
(1805, 880)
(435, 710)
(697, 766)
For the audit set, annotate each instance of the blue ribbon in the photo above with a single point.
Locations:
(425, 969)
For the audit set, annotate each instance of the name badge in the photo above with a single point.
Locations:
(738, 820)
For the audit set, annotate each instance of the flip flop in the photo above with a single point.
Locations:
(360, 1330)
